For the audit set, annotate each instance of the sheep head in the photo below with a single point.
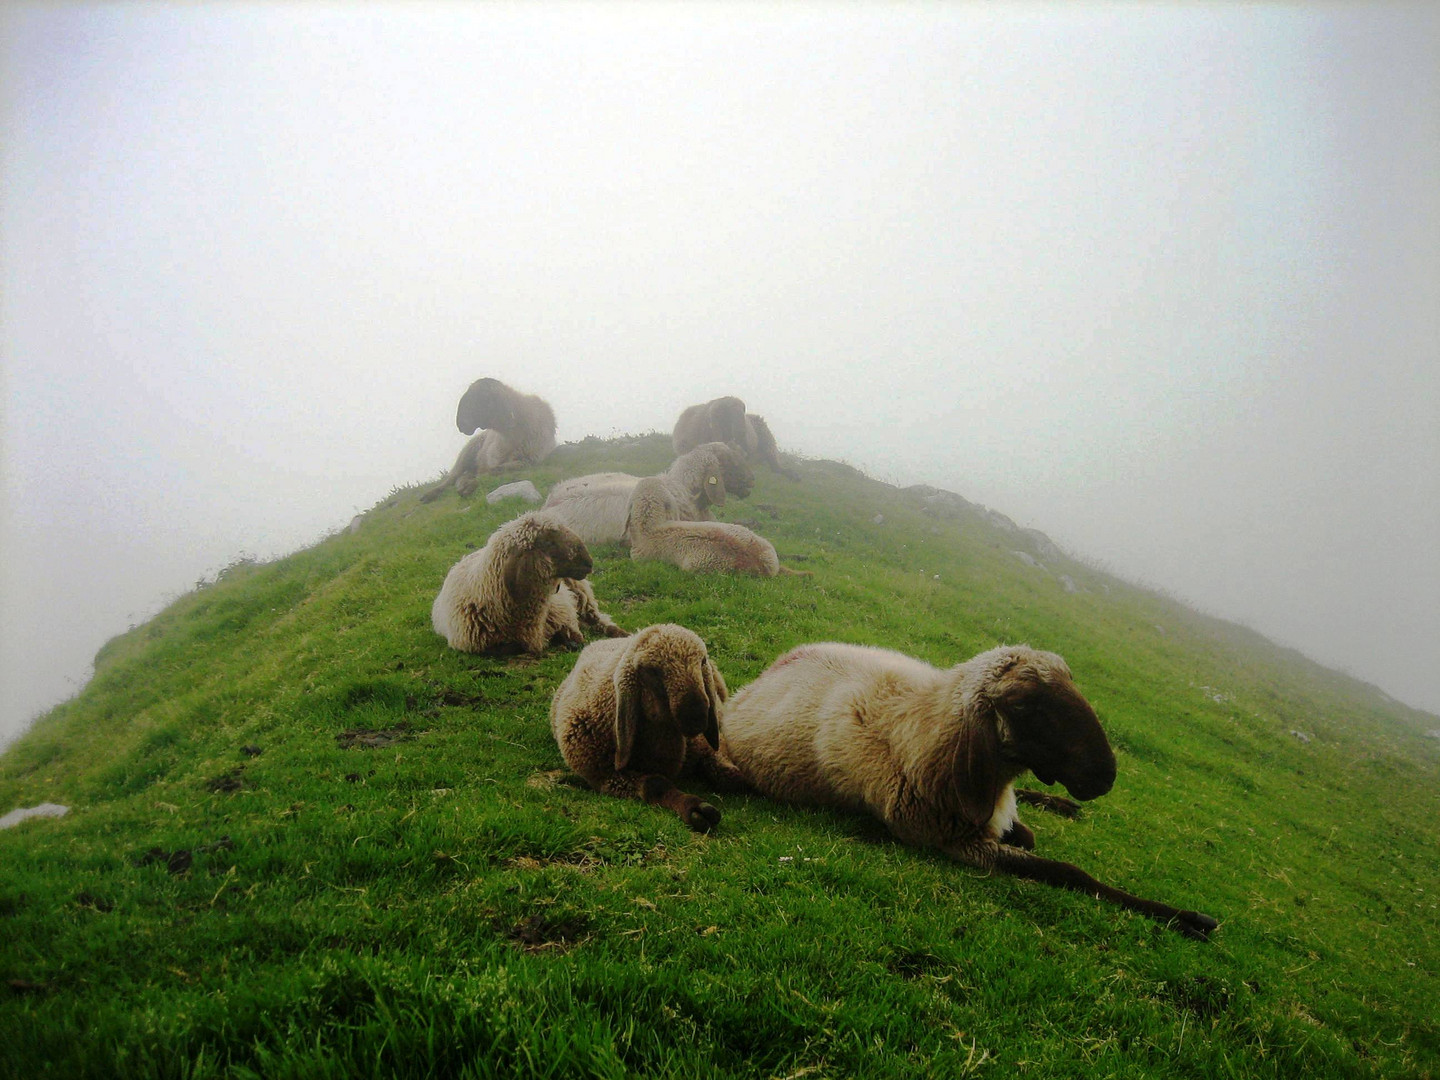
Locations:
(668, 665)
(545, 550)
(1044, 724)
(726, 416)
(738, 477)
(488, 403)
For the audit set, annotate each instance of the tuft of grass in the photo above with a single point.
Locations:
(307, 839)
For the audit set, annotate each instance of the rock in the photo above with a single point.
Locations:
(355, 523)
(1302, 736)
(522, 489)
(878, 519)
(1027, 559)
(1041, 544)
(1068, 583)
(24, 813)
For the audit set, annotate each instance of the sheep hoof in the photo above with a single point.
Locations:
(1194, 925)
(702, 817)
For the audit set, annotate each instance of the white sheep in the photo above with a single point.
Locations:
(656, 529)
(516, 429)
(519, 592)
(933, 754)
(635, 715)
(724, 419)
(597, 505)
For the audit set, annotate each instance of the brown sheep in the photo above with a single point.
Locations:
(635, 715)
(521, 591)
(724, 419)
(518, 429)
(933, 754)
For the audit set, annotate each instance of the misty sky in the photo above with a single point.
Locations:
(1162, 281)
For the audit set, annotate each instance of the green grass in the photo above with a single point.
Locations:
(440, 906)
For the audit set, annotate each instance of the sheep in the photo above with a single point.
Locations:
(521, 591)
(724, 419)
(656, 529)
(633, 715)
(516, 429)
(933, 754)
(595, 506)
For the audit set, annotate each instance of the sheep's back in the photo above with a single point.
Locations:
(813, 728)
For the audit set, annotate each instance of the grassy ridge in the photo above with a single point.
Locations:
(307, 839)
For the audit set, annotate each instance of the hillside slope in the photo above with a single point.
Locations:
(308, 839)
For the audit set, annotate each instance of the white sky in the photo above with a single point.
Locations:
(1162, 281)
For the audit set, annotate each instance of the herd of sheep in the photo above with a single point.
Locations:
(932, 753)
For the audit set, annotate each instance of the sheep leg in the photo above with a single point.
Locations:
(1020, 836)
(1056, 804)
(714, 767)
(658, 790)
(1068, 876)
(698, 814)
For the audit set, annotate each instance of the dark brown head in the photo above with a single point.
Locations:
(544, 549)
(1043, 722)
(738, 477)
(488, 403)
(666, 678)
(726, 419)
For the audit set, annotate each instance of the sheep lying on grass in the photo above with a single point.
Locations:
(656, 529)
(521, 591)
(517, 429)
(724, 419)
(634, 715)
(933, 754)
(596, 506)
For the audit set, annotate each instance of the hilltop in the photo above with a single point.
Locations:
(307, 839)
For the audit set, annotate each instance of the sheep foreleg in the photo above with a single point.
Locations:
(1068, 876)
(1056, 804)
(656, 789)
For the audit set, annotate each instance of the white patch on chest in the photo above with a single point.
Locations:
(1004, 815)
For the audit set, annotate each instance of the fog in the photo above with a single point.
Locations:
(1163, 282)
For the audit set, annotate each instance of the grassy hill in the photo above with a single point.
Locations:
(307, 839)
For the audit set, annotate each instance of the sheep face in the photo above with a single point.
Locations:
(1049, 728)
(487, 404)
(727, 420)
(737, 476)
(569, 558)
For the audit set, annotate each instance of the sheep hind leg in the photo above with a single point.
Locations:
(1065, 875)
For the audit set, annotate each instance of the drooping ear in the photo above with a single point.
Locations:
(627, 708)
(714, 482)
(715, 693)
(966, 763)
(518, 570)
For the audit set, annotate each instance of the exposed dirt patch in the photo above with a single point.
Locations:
(95, 903)
(459, 699)
(372, 738)
(177, 862)
(1203, 995)
(231, 780)
(251, 750)
(538, 933)
(911, 965)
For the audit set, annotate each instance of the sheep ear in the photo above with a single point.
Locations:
(715, 693)
(516, 570)
(974, 766)
(627, 709)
